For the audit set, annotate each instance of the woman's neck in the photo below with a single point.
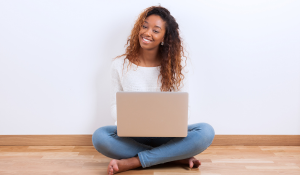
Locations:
(149, 58)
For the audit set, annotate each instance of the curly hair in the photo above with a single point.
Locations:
(172, 51)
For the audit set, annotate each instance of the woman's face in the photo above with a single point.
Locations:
(152, 32)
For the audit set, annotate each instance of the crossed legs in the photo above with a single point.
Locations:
(132, 152)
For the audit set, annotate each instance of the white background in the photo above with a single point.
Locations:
(55, 57)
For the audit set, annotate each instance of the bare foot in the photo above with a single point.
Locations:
(192, 162)
(116, 166)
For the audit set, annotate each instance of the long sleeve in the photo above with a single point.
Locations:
(185, 84)
(185, 88)
(115, 87)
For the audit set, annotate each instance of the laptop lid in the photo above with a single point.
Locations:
(152, 114)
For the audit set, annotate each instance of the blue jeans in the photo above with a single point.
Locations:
(153, 150)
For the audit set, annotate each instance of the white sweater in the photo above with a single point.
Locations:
(137, 78)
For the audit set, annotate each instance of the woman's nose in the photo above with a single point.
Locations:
(148, 32)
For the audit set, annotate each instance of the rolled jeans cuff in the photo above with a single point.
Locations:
(142, 159)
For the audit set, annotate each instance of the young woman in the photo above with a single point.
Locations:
(152, 62)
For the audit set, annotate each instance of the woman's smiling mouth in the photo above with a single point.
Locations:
(146, 40)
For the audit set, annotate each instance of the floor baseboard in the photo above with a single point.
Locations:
(86, 140)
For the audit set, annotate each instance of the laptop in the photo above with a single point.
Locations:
(152, 114)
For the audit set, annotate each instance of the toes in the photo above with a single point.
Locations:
(197, 163)
(191, 163)
(108, 169)
(111, 171)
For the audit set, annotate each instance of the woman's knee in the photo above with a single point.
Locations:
(100, 138)
(206, 133)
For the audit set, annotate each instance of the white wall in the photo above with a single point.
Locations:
(55, 57)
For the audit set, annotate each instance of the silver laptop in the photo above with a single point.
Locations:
(152, 114)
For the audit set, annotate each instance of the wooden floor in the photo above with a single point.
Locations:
(85, 160)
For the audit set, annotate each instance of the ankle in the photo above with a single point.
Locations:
(134, 162)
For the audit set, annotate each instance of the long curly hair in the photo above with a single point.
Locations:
(172, 51)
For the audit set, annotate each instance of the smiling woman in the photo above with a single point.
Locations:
(155, 40)
(155, 52)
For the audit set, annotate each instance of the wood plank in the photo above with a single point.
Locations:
(257, 140)
(86, 140)
(215, 160)
(46, 140)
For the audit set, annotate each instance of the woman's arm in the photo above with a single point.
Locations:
(185, 88)
(115, 87)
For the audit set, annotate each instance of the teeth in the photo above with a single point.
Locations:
(146, 40)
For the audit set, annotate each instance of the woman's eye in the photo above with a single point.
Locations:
(155, 31)
(144, 27)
